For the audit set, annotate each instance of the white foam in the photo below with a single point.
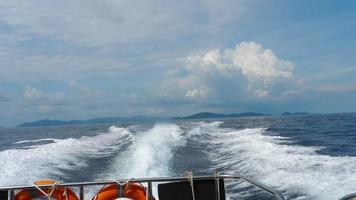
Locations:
(34, 141)
(295, 169)
(150, 155)
(22, 166)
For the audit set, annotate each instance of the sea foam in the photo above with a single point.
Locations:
(24, 166)
(275, 161)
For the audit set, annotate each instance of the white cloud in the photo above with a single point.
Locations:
(261, 93)
(46, 102)
(195, 93)
(260, 66)
(32, 93)
(257, 63)
(40, 97)
(45, 108)
(152, 110)
(64, 40)
(248, 58)
(84, 90)
(38, 101)
(92, 23)
(243, 73)
(209, 62)
(290, 93)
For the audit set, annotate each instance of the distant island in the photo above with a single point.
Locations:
(294, 113)
(207, 115)
(201, 115)
(48, 122)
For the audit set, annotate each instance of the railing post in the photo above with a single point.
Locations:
(12, 194)
(81, 192)
(149, 190)
(217, 188)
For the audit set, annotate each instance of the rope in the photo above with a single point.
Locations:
(53, 188)
(65, 193)
(148, 193)
(129, 180)
(122, 184)
(190, 179)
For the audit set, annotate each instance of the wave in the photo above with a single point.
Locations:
(22, 166)
(150, 154)
(299, 171)
(35, 141)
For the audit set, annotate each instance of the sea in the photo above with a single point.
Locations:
(304, 157)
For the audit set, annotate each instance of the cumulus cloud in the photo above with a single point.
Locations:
(195, 93)
(243, 73)
(256, 62)
(35, 95)
(261, 93)
(44, 102)
(32, 93)
(260, 66)
(84, 90)
(41, 102)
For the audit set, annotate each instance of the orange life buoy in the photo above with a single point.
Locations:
(130, 190)
(59, 193)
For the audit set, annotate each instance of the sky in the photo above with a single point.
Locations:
(83, 59)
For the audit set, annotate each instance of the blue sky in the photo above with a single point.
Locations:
(78, 60)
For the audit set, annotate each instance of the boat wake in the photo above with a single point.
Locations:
(149, 155)
(298, 171)
(24, 166)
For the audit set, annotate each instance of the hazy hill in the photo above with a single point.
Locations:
(206, 115)
(294, 113)
(48, 122)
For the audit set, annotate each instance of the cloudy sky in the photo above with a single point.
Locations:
(82, 59)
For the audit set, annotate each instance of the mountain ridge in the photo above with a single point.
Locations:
(102, 120)
(207, 115)
(140, 118)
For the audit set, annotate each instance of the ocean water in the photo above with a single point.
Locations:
(304, 157)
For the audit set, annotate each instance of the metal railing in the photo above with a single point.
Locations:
(11, 189)
(349, 197)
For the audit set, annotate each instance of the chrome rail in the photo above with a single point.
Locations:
(149, 181)
(349, 197)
